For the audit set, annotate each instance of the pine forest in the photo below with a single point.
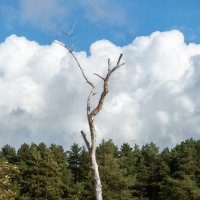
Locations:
(40, 172)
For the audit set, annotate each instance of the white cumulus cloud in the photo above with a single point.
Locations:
(154, 97)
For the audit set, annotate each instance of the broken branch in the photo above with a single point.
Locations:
(85, 140)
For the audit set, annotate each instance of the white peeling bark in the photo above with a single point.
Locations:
(94, 166)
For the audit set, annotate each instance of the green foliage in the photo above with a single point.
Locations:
(115, 180)
(79, 164)
(44, 173)
(7, 172)
(41, 172)
(8, 153)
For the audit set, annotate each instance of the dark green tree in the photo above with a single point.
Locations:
(141, 183)
(147, 183)
(42, 174)
(115, 181)
(197, 172)
(74, 162)
(9, 153)
(23, 152)
(8, 173)
(184, 168)
(128, 159)
(60, 156)
(79, 164)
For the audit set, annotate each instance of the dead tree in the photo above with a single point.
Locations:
(91, 113)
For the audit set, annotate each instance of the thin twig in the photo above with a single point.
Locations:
(99, 76)
(109, 64)
(70, 34)
(73, 28)
(120, 57)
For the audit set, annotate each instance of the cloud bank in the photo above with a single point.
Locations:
(154, 97)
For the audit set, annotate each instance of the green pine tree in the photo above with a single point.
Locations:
(8, 174)
(9, 153)
(114, 178)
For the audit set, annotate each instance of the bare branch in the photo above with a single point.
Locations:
(118, 63)
(77, 62)
(64, 32)
(116, 67)
(97, 109)
(70, 36)
(99, 76)
(60, 43)
(86, 79)
(73, 28)
(109, 64)
(119, 59)
(85, 140)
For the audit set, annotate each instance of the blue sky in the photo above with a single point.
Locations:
(116, 20)
(153, 97)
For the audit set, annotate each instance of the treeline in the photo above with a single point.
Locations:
(38, 172)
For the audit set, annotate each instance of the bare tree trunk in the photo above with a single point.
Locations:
(94, 165)
(91, 146)
(91, 115)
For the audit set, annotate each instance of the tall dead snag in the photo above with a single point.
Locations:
(91, 146)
